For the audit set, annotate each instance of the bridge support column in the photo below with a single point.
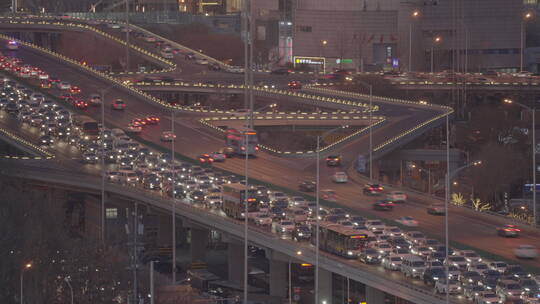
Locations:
(278, 278)
(325, 287)
(199, 244)
(374, 295)
(235, 262)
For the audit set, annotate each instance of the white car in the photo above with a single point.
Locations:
(453, 286)
(478, 267)
(392, 262)
(498, 265)
(43, 76)
(415, 237)
(487, 297)
(397, 197)
(167, 54)
(63, 85)
(526, 252)
(384, 248)
(167, 136)
(134, 129)
(470, 256)
(407, 221)
(218, 156)
(340, 177)
(235, 69)
(375, 225)
(113, 25)
(393, 231)
(201, 61)
(422, 251)
(298, 201)
(263, 219)
(284, 226)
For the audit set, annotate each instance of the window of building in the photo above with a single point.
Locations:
(304, 28)
(111, 213)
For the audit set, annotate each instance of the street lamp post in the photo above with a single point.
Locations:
(298, 253)
(323, 43)
(127, 36)
(67, 280)
(152, 295)
(435, 40)
(103, 163)
(414, 15)
(27, 266)
(533, 139)
(370, 127)
(317, 207)
(526, 17)
(173, 203)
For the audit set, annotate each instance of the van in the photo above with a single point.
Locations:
(413, 266)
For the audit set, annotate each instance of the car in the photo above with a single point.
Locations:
(301, 233)
(469, 278)
(284, 226)
(90, 158)
(43, 76)
(478, 267)
(201, 61)
(63, 85)
(516, 271)
(441, 286)
(436, 209)
(205, 159)
(383, 248)
(529, 285)
(263, 219)
(80, 104)
(392, 262)
(487, 297)
(167, 54)
(151, 120)
(340, 177)
(214, 67)
(307, 186)
(370, 256)
(218, 157)
(74, 90)
(407, 221)
(508, 231)
(397, 197)
(196, 196)
(45, 84)
(235, 69)
(469, 255)
(138, 122)
(432, 275)
(525, 251)
(95, 99)
(228, 151)
(333, 160)
(471, 292)
(457, 261)
(383, 205)
(372, 189)
(46, 140)
(167, 136)
(329, 195)
(281, 71)
(294, 85)
(118, 104)
(131, 128)
(373, 225)
(508, 290)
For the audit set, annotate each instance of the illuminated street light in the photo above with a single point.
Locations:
(436, 40)
(25, 267)
(526, 17)
(415, 14)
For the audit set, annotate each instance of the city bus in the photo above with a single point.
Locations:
(242, 140)
(234, 196)
(340, 240)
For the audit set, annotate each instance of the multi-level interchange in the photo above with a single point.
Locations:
(74, 122)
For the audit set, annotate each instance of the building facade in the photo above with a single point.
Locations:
(473, 35)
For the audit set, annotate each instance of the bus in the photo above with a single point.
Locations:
(340, 240)
(234, 196)
(242, 140)
(88, 127)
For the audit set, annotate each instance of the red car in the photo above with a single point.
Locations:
(152, 120)
(75, 90)
(373, 189)
(205, 159)
(295, 85)
(79, 103)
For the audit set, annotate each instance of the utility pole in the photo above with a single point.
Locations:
(127, 36)
(133, 247)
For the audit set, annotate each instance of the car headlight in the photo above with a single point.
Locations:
(459, 288)
(301, 234)
(349, 252)
(414, 270)
(436, 278)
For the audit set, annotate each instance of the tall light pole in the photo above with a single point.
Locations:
(435, 41)
(67, 280)
(173, 203)
(525, 18)
(298, 253)
(152, 294)
(415, 14)
(127, 35)
(533, 135)
(370, 87)
(317, 220)
(26, 267)
(103, 163)
(321, 46)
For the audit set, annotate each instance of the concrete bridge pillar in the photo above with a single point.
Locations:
(199, 244)
(278, 278)
(374, 295)
(235, 262)
(325, 287)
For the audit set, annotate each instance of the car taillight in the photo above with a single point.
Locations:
(243, 148)
(256, 148)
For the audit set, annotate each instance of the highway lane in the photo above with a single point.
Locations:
(284, 172)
